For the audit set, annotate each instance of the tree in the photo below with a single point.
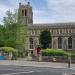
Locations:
(2, 34)
(16, 32)
(10, 18)
(10, 24)
(45, 39)
(21, 39)
(10, 35)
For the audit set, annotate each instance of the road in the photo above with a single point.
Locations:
(20, 70)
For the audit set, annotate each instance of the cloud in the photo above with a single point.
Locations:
(65, 9)
(37, 15)
(5, 6)
(8, 5)
(44, 11)
(42, 16)
(56, 11)
(3, 9)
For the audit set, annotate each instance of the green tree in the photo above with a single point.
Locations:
(10, 24)
(10, 18)
(10, 35)
(2, 35)
(16, 32)
(45, 39)
(21, 38)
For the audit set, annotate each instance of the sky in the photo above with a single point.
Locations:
(44, 11)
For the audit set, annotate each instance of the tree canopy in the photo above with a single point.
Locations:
(10, 18)
(13, 33)
(2, 34)
(45, 39)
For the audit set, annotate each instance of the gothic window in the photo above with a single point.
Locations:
(25, 12)
(31, 43)
(69, 30)
(22, 12)
(70, 42)
(62, 31)
(57, 31)
(59, 42)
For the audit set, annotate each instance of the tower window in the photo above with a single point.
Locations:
(22, 12)
(25, 12)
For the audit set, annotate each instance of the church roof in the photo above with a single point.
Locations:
(52, 25)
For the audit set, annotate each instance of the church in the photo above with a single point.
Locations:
(63, 34)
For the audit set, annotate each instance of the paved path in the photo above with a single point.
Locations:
(37, 64)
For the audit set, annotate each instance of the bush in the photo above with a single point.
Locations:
(52, 52)
(70, 54)
(10, 49)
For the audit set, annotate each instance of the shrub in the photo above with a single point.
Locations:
(52, 52)
(10, 49)
(70, 54)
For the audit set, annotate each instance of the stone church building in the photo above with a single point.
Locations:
(63, 34)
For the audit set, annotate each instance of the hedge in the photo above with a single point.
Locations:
(10, 49)
(57, 52)
(52, 52)
(70, 54)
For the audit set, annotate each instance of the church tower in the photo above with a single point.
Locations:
(25, 14)
(25, 17)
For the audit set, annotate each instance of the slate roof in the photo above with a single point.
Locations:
(52, 25)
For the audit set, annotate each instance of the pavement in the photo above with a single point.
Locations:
(36, 64)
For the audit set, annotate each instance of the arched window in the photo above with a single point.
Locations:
(22, 12)
(25, 12)
(31, 43)
(59, 42)
(70, 42)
